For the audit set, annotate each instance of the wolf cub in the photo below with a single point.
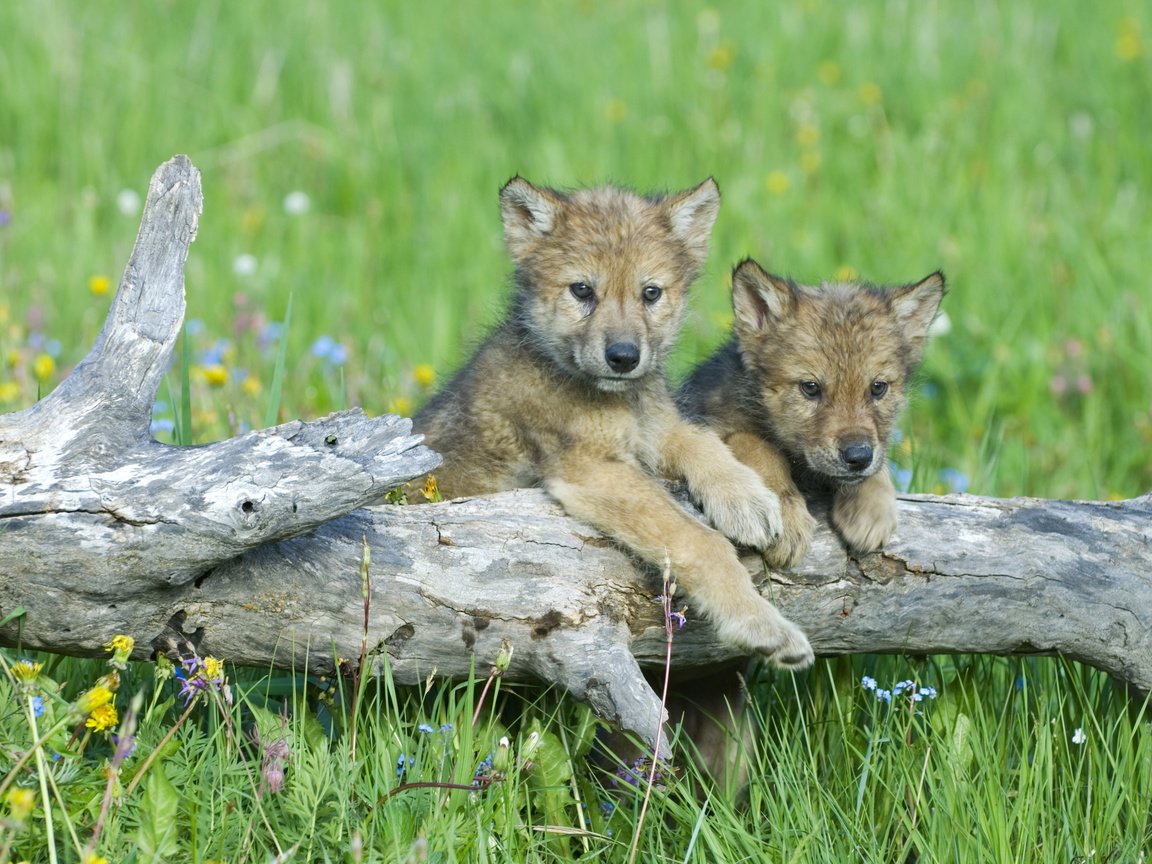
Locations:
(569, 393)
(807, 392)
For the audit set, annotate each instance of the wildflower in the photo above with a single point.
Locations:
(869, 93)
(26, 672)
(424, 374)
(128, 202)
(503, 757)
(9, 390)
(846, 273)
(121, 648)
(99, 285)
(431, 491)
(269, 333)
(90, 700)
(403, 764)
(884, 696)
(426, 728)
(606, 808)
(5, 217)
(297, 203)
(483, 771)
(954, 480)
(401, 406)
(617, 110)
(720, 57)
(164, 424)
(1128, 42)
(20, 803)
(251, 386)
(1078, 737)
(216, 376)
(199, 675)
(322, 346)
(37, 706)
(503, 658)
(808, 135)
(810, 161)
(778, 183)
(941, 325)
(125, 746)
(829, 73)
(43, 367)
(678, 619)
(272, 765)
(102, 717)
(868, 682)
(93, 858)
(244, 265)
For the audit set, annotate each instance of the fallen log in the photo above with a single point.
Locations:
(250, 549)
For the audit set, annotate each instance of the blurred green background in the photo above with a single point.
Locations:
(352, 153)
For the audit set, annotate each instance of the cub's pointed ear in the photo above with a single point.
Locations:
(915, 306)
(692, 214)
(759, 299)
(529, 213)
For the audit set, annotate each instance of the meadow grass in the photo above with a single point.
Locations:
(351, 157)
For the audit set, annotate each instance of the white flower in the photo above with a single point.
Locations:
(244, 265)
(1078, 737)
(297, 203)
(128, 202)
(942, 326)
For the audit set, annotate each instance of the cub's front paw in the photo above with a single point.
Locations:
(865, 515)
(797, 535)
(744, 510)
(764, 630)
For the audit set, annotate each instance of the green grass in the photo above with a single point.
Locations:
(1003, 142)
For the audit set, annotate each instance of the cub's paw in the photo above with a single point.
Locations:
(865, 515)
(746, 512)
(797, 535)
(764, 630)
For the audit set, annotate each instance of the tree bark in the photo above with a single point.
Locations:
(251, 549)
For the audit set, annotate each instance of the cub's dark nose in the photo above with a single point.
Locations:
(856, 457)
(622, 356)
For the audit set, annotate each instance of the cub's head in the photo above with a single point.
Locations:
(603, 274)
(830, 365)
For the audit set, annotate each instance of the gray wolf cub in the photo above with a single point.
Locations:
(569, 393)
(808, 390)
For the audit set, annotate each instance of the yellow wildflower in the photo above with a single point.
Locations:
(92, 699)
(12, 357)
(401, 406)
(808, 135)
(9, 390)
(213, 669)
(810, 161)
(778, 183)
(121, 647)
(846, 273)
(99, 285)
(25, 671)
(431, 491)
(93, 858)
(1128, 42)
(424, 374)
(617, 110)
(20, 803)
(103, 717)
(216, 375)
(5, 313)
(869, 93)
(43, 367)
(829, 72)
(251, 386)
(720, 57)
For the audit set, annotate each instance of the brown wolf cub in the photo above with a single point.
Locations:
(569, 393)
(807, 392)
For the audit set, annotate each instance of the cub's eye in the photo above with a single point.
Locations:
(581, 290)
(651, 293)
(810, 389)
(879, 388)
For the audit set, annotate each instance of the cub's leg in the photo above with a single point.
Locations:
(733, 498)
(865, 513)
(627, 504)
(772, 466)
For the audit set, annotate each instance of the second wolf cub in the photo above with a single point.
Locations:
(808, 390)
(569, 393)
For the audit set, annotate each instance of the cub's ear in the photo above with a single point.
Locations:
(692, 214)
(759, 299)
(915, 306)
(529, 213)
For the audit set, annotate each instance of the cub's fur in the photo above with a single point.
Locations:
(807, 392)
(569, 393)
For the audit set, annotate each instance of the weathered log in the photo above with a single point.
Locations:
(250, 549)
